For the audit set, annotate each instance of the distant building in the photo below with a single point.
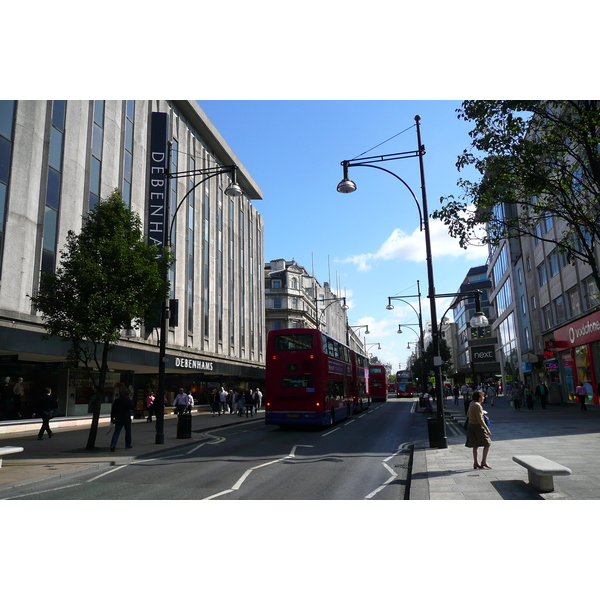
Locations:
(295, 299)
(476, 358)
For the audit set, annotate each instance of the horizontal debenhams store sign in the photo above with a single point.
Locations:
(193, 364)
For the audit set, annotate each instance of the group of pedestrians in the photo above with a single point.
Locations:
(236, 401)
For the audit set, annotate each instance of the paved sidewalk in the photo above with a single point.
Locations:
(562, 433)
(66, 449)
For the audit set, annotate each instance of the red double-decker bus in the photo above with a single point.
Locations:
(378, 383)
(311, 379)
(405, 386)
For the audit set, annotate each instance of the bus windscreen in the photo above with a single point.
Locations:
(294, 342)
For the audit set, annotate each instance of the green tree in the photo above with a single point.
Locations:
(539, 163)
(107, 280)
(427, 360)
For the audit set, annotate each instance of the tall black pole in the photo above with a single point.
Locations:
(442, 439)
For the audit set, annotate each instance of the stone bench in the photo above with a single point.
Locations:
(9, 450)
(541, 471)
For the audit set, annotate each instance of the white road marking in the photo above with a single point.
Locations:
(64, 487)
(107, 473)
(330, 432)
(238, 484)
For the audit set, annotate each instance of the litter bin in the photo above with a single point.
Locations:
(184, 426)
(432, 430)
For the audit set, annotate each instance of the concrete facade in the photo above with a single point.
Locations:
(92, 148)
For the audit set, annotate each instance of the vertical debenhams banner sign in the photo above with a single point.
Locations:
(157, 198)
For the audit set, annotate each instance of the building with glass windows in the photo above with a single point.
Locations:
(58, 159)
(547, 311)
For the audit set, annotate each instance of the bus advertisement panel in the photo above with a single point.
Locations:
(378, 383)
(360, 379)
(308, 378)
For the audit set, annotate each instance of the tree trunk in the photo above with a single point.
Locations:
(91, 443)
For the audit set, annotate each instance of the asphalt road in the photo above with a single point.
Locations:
(363, 457)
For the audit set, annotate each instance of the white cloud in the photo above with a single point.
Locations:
(401, 246)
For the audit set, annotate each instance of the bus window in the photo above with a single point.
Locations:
(294, 342)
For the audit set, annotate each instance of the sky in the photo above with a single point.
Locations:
(366, 244)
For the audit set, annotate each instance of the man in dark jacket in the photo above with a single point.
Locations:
(120, 415)
(46, 406)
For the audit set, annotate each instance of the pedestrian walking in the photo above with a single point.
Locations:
(120, 415)
(234, 402)
(46, 408)
(491, 393)
(257, 399)
(249, 402)
(180, 403)
(190, 404)
(581, 393)
(515, 394)
(528, 397)
(456, 392)
(213, 401)
(223, 401)
(541, 393)
(241, 403)
(149, 405)
(478, 431)
(467, 393)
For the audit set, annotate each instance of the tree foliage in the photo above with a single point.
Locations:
(106, 281)
(426, 360)
(539, 163)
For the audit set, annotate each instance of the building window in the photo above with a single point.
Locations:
(542, 275)
(574, 306)
(7, 112)
(242, 279)
(559, 308)
(591, 297)
(276, 284)
(96, 161)
(220, 265)
(231, 272)
(128, 151)
(276, 302)
(206, 263)
(546, 317)
(533, 303)
(527, 338)
(553, 263)
(53, 186)
(523, 305)
(190, 252)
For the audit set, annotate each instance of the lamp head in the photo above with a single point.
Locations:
(346, 186)
(390, 306)
(367, 330)
(479, 320)
(399, 329)
(234, 190)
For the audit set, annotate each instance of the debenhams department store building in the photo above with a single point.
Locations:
(58, 159)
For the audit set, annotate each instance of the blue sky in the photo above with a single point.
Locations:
(369, 241)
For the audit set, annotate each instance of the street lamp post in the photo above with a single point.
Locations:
(233, 190)
(352, 328)
(347, 186)
(344, 307)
